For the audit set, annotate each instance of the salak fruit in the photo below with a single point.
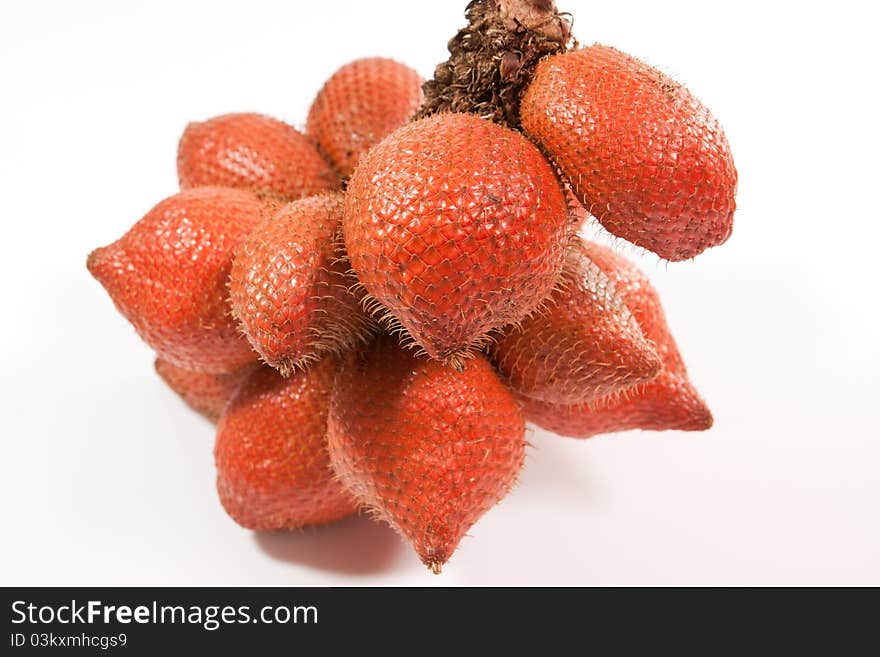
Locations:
(583, 345)
(273, 469)
(254, 152)
(448, 213)
(205, 393)
(363, 102)
(168, 274)
(456, 226)
(428, 449)
(647, 159)
(669, 401)
(290, 287)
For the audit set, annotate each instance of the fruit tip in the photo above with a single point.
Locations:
(703, 419)
(434, 557)
(103, 264)
(647, 367)
(699, 416)
(94, 262)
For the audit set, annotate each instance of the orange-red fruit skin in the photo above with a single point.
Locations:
(289, 288)
(273, 470)
(584, 345)
(669, 401)
(207, 394)
(168, 275)
(577, 213)
(361, 103)
(457, 226)
(253, 152)
(429, 449)
(647, 159)
(640, 296)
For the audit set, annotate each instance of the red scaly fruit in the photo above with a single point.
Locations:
(290, 289)
(456, 226)
(206, 394)
(168, 274)
(362, 103)
(429, 449)
(273, 470)
(584, 345)
(253, 152)
(640, 296)
(646, 158)
(669, 401)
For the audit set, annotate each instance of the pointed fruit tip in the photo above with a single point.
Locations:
(703, 419)
(645, 366)
(96, 264)
(699, 417)
(92, 261)
(434, 558)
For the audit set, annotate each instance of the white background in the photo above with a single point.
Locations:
(106, 478)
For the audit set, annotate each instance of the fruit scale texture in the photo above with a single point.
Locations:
(205, 393)
(254, 152)
(273, 469)
(456, 226)
(168, 275)
(585, 343)
(291, 291)
(253, 283)
(427, 448)
(668, 401)
(359, 105)
(645, 157)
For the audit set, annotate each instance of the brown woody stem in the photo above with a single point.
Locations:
(492, 60)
